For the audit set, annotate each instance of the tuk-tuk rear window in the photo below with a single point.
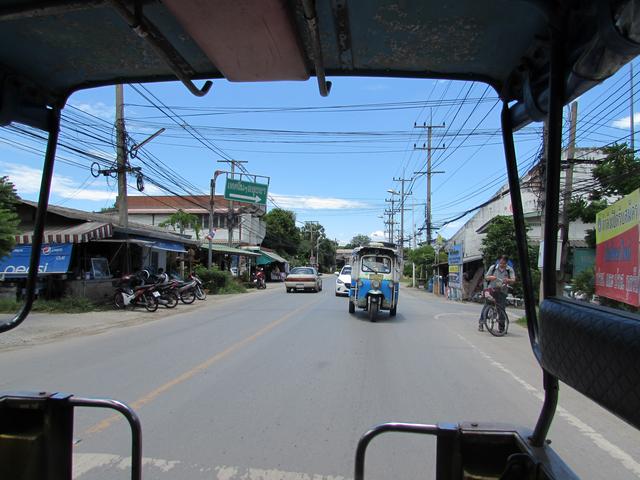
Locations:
(376, 264)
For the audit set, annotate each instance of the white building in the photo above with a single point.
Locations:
(470, 235)
(249, 228)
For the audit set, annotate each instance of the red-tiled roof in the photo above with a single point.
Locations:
(191, 203)
(170, 201)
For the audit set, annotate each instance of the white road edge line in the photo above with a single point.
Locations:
(85, 462)
(598, 439)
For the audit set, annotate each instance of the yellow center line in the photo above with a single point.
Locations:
(149, 397)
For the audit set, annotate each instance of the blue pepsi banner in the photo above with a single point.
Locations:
(54, 258)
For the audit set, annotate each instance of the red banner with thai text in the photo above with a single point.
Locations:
(617, 267)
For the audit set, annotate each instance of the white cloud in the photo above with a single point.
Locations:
(99, 109)
(625, 122)
(315, 203)
(378, 235)
(27, 182)
(149, 189)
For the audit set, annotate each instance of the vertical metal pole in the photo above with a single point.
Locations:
(557, 79)
(520, 227)
(41, 212)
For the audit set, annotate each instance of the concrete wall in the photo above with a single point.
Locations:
(99, 291)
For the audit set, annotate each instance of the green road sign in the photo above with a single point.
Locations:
(248, 192)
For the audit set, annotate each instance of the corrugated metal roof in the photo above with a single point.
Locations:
(76, 234)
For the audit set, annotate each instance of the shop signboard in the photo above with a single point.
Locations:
(617, 250)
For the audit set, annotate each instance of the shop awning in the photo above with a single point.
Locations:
(216, 247)
(169, 246)
(76, 234)
(269, 257)
(54, 258)
(166, 245)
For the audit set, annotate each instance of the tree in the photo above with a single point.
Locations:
(359, 241)
(282, 235)
(183, 220)
(423, 257)
(9, 220)
(500, 240)
(310, 233)
(327, 255)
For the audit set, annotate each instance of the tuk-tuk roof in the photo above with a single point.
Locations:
(59, 47)
(378, 248)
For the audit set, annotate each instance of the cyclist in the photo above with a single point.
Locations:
(500, 275)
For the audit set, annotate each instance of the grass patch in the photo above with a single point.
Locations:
(64, 305)
(522, 321)
(232, 287)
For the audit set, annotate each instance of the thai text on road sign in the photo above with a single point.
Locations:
(246, 191)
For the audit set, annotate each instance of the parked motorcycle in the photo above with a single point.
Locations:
(139, 295)
(167, 289)
(186, 291)
(201, 294)
(168, 296)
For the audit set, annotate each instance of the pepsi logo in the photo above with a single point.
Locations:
(46, 250)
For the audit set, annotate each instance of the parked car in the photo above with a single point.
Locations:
(303, 278)
(343, 282)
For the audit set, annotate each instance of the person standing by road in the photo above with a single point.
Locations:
(500, 275)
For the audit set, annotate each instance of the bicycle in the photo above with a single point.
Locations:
(493, 316)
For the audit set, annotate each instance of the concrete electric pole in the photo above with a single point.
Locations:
(429, 172)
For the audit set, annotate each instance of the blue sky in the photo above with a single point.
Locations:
(330, 159)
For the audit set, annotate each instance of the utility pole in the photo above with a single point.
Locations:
(313, 223)
(121, 161)
(428, 148)
(568, 187)
(121, 158)
(392, 200)
(230, 215)
(388, 225)
(211, 214)
(402, 195)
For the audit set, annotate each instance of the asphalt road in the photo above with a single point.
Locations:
(270, 385)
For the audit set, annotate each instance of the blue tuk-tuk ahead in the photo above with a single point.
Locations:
(375, 279)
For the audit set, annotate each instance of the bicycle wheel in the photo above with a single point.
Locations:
(496, 321)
